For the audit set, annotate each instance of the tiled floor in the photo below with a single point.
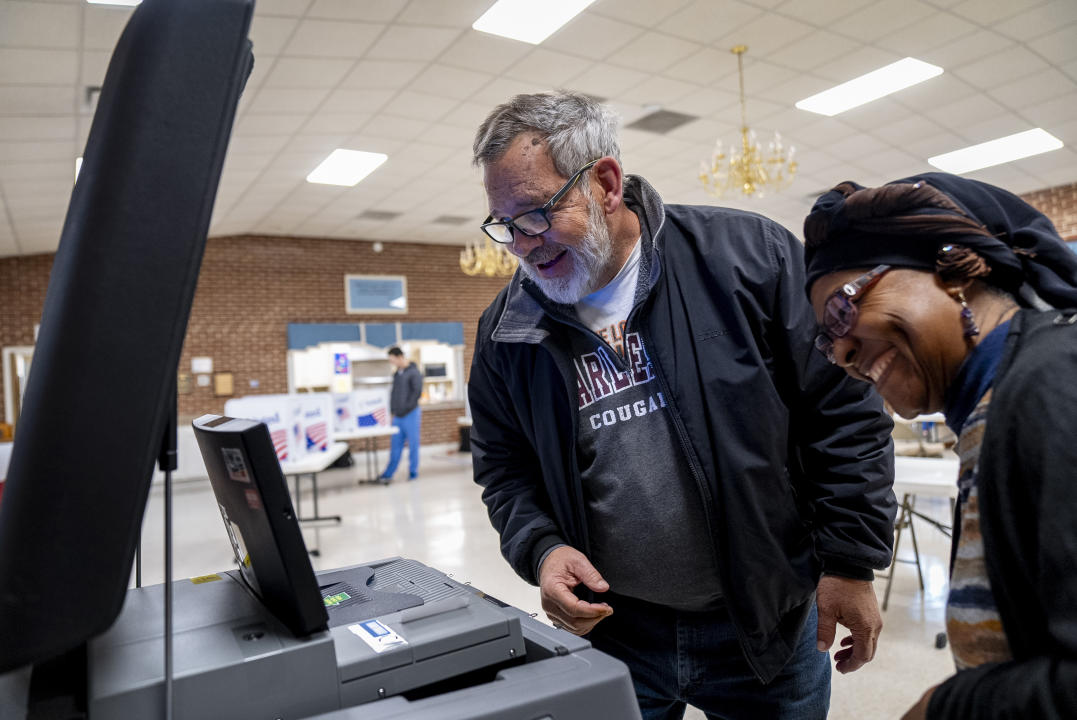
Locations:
(440, 520)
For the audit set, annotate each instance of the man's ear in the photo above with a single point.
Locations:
(610, 178)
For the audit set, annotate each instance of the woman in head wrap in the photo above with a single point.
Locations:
(953, 295)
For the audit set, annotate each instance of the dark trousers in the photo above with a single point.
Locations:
(678, 658)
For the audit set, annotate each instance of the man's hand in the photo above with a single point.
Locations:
(561, 571)
(919, 710)
(853, 604)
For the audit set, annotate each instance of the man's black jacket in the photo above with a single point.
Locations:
(792, 458)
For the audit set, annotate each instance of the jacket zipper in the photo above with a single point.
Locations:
(709, 513)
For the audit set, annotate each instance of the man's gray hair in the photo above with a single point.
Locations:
(576, 128)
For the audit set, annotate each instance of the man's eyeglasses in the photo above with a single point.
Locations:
(533, 222)
(840, 311)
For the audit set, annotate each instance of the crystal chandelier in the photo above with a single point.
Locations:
(751, 169)
(487, 259)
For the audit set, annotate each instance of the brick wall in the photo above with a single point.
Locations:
(250, 288)
(1060, 204)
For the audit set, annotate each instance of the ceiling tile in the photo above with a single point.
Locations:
(546, 67)
(912, 40)
(959, 51)
(988, 12)
(257, 145)
(879, 18)
(412, 42)
(419, 106)
(269, 124)
(36, 100)
(458, 13)
(13, 152)
(706, 20)
(907, 128)
(766, 34)
(1038, 21)
(94, 65)
(820, 12)
(606, 81)
(858, 62)
(1000, 67)
(653, 52)
(814, 50)
(468, 115)
(659, 91)
(395, 128)
(381, 11)
(37, 128)
(37, 67)
(324, 38)
(38, 25)
(501, 89)
(286, 100)
(447, 81)
(356, 102)
(1032, 89)
(380, 74)
(995, 126)
(307, 72)
(592, 36)
(709, 103)
(347, 124)
(483, 52)
(1058, 47)
(320, 144)
(63, 170)
(940, 90)
(645, 13)
(962, 113)
(289, 8)
(703, 67)
(269, 34)
(1058, 110)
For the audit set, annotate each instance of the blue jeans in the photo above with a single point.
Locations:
(409, 433)
(678, 658)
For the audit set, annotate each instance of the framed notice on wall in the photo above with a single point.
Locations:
(376, 294)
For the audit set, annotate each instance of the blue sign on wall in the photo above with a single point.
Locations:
(370, 294)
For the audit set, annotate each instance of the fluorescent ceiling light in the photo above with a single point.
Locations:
(346, 167)
(529, 21)
(995, 152)
(78, 166)
(124, 3)
(874, 85)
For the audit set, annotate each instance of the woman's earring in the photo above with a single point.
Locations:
(967, 321)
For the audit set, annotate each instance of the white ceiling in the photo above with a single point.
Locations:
(410, 78)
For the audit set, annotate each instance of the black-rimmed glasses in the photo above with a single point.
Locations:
(533, 222)
(840, 311)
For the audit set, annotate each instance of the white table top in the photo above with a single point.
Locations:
(933, 417)
(366, 432)
(926, 476)
(315, 462)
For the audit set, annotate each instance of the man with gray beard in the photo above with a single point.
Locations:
(691, 486)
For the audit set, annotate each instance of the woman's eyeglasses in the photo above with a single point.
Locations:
(840, 312)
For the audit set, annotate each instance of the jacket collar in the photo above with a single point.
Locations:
(525, 307)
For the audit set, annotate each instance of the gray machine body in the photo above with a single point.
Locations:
(232, 659)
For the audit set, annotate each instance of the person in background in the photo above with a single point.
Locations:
(947, 294)
(661, 450)
(404, 406)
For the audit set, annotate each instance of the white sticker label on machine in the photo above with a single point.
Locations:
(379, 637)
